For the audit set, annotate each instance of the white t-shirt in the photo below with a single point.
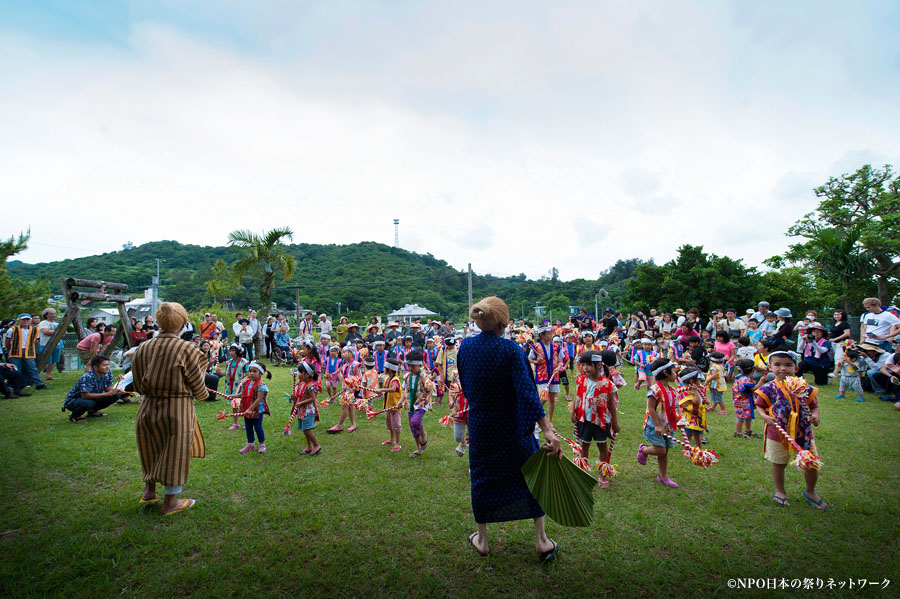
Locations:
(49, 327)
(879, 324)
(734, 325)
(746, 353)
(325, 327)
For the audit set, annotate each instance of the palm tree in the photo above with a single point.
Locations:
(265, 253)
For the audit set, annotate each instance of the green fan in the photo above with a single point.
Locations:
(562, 489)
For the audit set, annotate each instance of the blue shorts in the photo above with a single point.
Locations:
(308, 422)
(654, 439)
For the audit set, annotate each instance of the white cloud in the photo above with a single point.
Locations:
(567, 120)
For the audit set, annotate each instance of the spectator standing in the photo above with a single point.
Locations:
(324, 325)
(256, 328)
(878, 326)
(733, 325)
(243, 334)
(46, 329)
(839, 335)
(21, 346)
(150, 326)
(208, 327)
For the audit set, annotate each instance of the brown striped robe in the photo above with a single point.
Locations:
(168, 373)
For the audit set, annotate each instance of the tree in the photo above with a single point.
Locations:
(222, 285)
(863, 212)
(559, 304)
(834, 253)
(693, 279)
(265, 254)
(16, 295)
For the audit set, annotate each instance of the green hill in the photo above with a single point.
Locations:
(369, 278)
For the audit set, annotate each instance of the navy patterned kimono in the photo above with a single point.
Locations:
(503, 409)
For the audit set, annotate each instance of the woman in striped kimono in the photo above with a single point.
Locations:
(168, 373)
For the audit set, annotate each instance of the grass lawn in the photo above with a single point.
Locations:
(361, 521)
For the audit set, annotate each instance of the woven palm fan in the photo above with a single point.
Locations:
(562, 489)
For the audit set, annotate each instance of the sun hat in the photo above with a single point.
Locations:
(751, 311)
(866, 346)
(783, 312)
(815, 325)
(679, 312)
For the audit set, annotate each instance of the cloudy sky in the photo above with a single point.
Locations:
(517, 136)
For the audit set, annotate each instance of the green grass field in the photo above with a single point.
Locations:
(361, 521)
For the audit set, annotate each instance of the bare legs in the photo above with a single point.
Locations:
(542, 541)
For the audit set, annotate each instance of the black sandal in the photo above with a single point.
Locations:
(78, 420)
(550, 555)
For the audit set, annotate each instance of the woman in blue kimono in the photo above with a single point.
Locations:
(503, 409)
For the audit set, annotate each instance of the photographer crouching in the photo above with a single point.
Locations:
(93, 392)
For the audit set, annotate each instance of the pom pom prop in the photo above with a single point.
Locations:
(607, 469)
(805, 459)
(371, 414)
(578, 457)
(446, 420)
(222, 415)
(698, 457)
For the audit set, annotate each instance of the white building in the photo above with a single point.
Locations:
(107, 316)
(410, 312)
(141, 307)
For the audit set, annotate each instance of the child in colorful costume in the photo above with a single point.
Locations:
(715, 381)
(691, 402)
(236, 368)
(417, 387)
(661, 418)
(742, 398)
(594, 411)
(792, 403)
(253, 405)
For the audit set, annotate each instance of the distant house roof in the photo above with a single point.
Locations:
(411, 311)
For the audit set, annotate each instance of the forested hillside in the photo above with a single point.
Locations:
(370, 278)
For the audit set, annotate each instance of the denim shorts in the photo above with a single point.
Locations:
(655, 439)
(308, 422)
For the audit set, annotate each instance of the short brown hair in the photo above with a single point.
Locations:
(490, 314)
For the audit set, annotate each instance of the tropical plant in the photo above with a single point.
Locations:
(222, 286)
(265, 254)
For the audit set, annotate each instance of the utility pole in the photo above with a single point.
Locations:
(339, 309)
(298, 305)
(596, 307)
(470, 288)
(154, 293)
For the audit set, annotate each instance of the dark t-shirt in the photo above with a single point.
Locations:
(838, 330)
(610, 324)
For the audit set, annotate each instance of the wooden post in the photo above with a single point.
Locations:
(70, 282)
(126, 323)
(100, 297)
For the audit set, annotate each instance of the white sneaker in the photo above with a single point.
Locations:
(832, 375)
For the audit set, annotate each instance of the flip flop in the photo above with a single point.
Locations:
(183, 504)
(97, 415)
(781, 501)
(351, 429)
(307, 450)
(334, 430)
(819, 505)
(316, 452)
(153, 499)
(550, 555)
(477, 550)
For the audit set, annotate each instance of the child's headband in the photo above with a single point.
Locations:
(664, 367)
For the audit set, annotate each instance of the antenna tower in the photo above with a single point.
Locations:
(396, 232)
